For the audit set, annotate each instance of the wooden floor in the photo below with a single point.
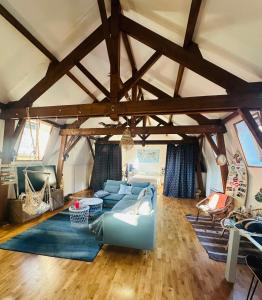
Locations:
(178, 268)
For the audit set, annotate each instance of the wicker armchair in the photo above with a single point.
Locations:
(217, 205)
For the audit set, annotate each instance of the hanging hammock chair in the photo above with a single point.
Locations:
(36, 202)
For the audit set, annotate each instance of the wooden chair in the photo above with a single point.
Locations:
(217, 205)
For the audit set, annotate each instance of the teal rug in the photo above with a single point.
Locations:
(57, 238)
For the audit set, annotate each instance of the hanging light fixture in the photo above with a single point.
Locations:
(127, 141)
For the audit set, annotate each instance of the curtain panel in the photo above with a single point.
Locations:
(107, 165)
(180, 171)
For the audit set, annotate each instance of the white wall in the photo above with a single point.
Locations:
(149, 168)
(213, 173)
(77, 168)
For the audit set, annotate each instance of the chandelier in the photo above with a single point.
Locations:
(126, 140)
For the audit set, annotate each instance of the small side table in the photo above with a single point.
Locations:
(95, 205)
(79, 216)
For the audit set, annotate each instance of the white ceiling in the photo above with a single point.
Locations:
(227, 32)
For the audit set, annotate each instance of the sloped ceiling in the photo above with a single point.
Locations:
(227, 32)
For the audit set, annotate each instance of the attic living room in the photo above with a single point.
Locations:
(131, 149)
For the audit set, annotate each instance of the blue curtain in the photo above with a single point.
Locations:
(107, 165)
(180, 171)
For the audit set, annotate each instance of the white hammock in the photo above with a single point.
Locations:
(36, 202)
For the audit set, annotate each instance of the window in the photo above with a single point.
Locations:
(34, 140)
(251, 149)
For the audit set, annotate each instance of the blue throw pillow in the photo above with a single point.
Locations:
(101, 194)
(112, 188)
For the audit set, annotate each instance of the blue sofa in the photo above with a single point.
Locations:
(121, 226)
(113, 187)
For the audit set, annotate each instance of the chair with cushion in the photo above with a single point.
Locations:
(217, 205)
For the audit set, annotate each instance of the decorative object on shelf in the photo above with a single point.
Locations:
(127, 141)
(221, 160)
(237, 181)
(258, 196)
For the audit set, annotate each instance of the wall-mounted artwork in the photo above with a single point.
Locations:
(237, 181)
(148, 156)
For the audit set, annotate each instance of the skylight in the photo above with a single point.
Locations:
(34, 141)
(251, 149)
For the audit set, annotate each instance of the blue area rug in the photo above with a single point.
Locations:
(57, 238)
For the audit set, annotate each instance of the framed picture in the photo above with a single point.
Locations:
(148, 156)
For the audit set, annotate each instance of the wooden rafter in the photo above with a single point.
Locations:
(189, 105)
(161, 95)
(61, 68)
(138, 74)
(212, 144)
(230, 117)
(90, 147)
(150, 142)
(191, 24)
(14, 22)
(60, 163)
(192, 129)
(222, 150)
(115, 51)
(92, 78)
(183, 56)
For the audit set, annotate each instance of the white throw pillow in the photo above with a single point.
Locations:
(125, 189)
(128, 190)
(122, 189)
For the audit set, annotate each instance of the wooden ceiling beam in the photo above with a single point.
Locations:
(192, 129)
(20, 28)
(149, 142)
(84, 70)
(189, 105)
(160, 94)
(183, 56)
(191, 24)
(230, 117)
(115, 51)
(138, 74)
(212, 143)
(61, 68)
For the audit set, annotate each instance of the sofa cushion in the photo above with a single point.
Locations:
(130, 197)
(123, 204)
(136, 190)
(101, 194)
(140, 184)
(145, 206)
(113, 186)
(113, 197)
(125, 189)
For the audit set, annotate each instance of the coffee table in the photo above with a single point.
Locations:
(79, 216)
(95, 205)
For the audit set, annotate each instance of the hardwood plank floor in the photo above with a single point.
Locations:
(178, 268)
